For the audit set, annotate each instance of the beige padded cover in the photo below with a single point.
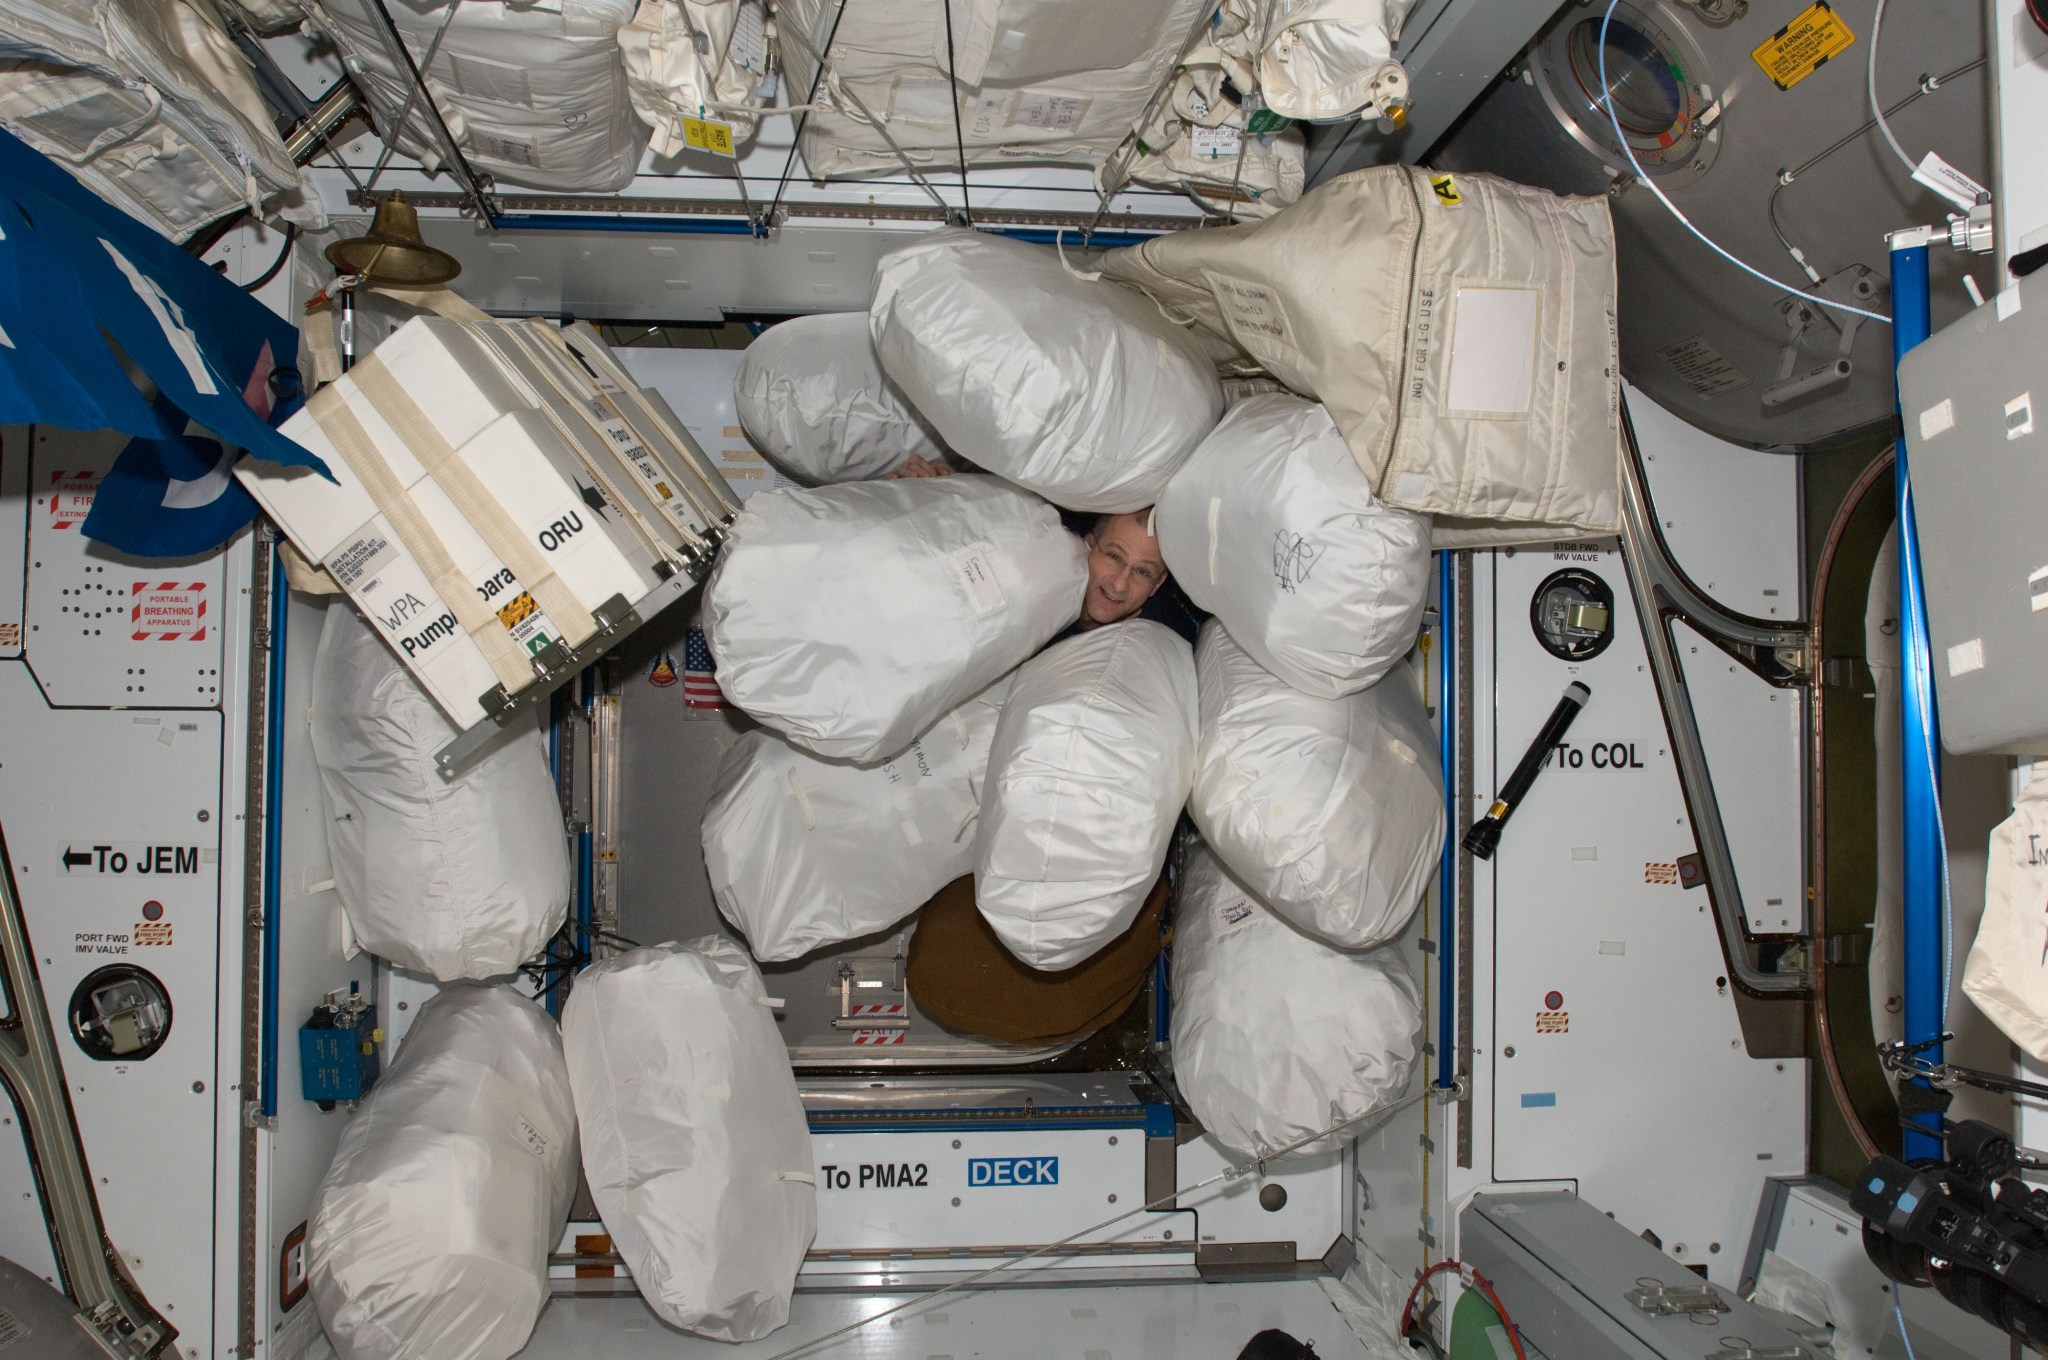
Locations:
(1505, 429)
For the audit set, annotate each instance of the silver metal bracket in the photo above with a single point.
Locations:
(1739, 1348)
(1661, 1299)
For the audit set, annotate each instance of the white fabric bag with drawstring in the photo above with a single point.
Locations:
(1277, 1035)
(694, 1138)
(2007, 971)
(804, 852)
(814, 399)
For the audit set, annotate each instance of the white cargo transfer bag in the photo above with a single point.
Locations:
(1331, 810)
(814, 399)
(455, 876)
(1271, 527)
(803, 851)
(1089, 769)
(1037, 80)
(431, 1231)
(1077, 389)
(695, 1144)
(534, 94)
(851, 618)
(1276, 1035)
(147, 102)
(1460, 329)
(2006, 975)
(1321, 61)
(670, 78)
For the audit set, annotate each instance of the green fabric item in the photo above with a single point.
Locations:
(1478, 1334)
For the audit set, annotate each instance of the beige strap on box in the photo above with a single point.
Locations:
(478, 620)
(494, 335)
(571, 388)
(474, 500)
(721, 502)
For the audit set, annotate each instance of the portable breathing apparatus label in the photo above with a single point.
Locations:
(1803, 46)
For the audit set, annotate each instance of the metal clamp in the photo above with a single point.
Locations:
(1739, 1348)
(1659, 1298)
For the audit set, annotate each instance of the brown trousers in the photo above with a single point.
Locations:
(960, 974)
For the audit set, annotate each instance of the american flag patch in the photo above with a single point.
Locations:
(700, 679)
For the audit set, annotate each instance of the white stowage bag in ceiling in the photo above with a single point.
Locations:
(702, 59)
(1461, 335)
(695, 1144)
(1088, 772)
(1332, 810)
(1078, 389)
(1196, 140)
(1038, 80)
(1316, 60)
(462, 876)
(535, 95)
(1276, 1035)
(851, 618)
(2003, 974)
(813, 398)
(803, 851)
(431, 1231)
(1271, 527)
(148, 103)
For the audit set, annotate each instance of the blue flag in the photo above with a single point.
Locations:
(80, 279)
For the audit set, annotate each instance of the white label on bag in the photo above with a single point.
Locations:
(1197, 105)
(496, 146)
(1252, 310)
(534, 1140)
(1493, 350)
(1049, 112)
(972, 571)
(1234, 914)
(1214, 143)
(748, 49)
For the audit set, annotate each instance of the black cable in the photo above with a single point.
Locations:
(959, 138)
(797, 138)
(291, 234)
(2039, 14)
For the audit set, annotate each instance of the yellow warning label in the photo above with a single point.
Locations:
(1803, 46)
(706, 135)
(517, 611)
(1446, 189)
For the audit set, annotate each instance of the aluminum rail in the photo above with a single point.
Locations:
(1775, 652)
(304, 141)
(110, 1307)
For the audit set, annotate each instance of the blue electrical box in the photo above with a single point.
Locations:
(338, 1050)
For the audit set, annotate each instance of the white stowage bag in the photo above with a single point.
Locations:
(1276, 1035)
(1087, 775)
(431, 1232)
(1078, 389)
(456, 877)
(694, 1141)
(851, 618)
(2005, 974)
(1331, 810)
(1272, 528)
(803, 851)
(692, 59)
(814, 399)
(533, 94)
(1318, 60)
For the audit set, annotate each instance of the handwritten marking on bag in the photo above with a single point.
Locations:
(532, 1138)
(1252, 310)
(1294, 557)
(984, 592)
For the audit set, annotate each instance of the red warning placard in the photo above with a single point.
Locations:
(167, 611)
(71, 496)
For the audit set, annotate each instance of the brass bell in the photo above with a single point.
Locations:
(393, 251)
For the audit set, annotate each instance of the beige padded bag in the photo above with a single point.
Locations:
(1459, 329)
(2007, 975)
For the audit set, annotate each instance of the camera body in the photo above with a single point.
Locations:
(1967, 1226)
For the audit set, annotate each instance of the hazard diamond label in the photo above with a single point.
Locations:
(71, 496)
(167, 611)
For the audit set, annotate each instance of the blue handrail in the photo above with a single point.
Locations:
(279, 605)
(1925, 856)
